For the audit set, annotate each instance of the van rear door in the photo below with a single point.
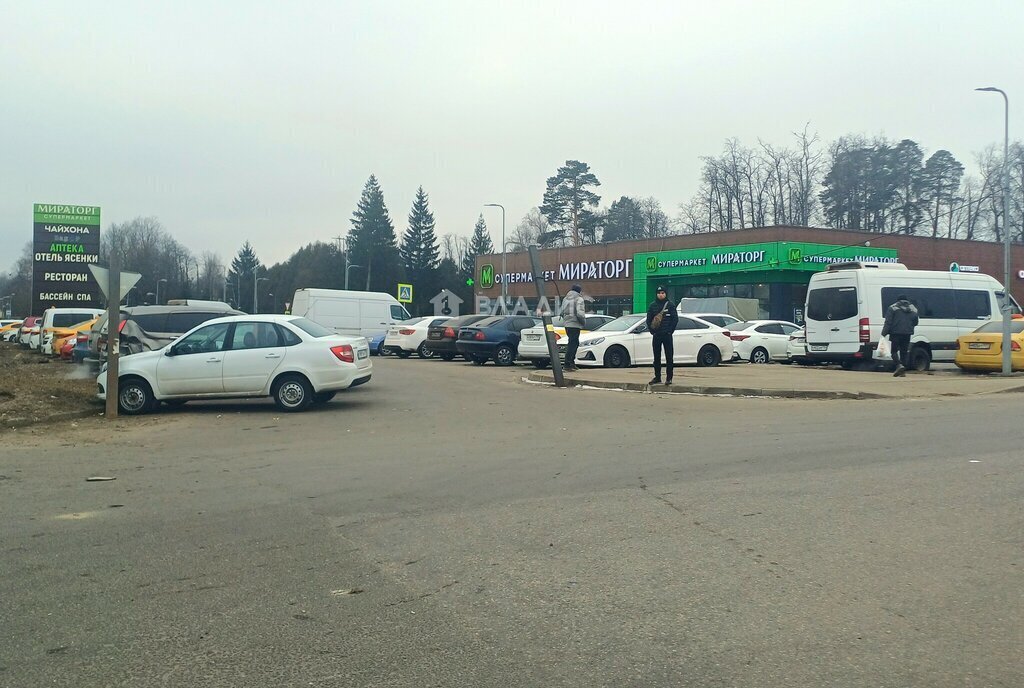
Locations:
(833, 315)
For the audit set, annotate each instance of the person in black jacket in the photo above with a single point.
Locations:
(661, 335)
(900, 321)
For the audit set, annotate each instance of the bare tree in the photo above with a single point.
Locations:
(530, 228)
(655, 222)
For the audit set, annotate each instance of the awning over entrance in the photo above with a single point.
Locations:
(765, 263)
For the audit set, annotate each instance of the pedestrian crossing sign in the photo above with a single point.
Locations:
(405, 293)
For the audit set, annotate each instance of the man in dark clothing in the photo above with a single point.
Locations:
(661, 333)
(900, 321)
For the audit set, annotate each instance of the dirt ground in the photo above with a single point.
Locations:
(35, 387)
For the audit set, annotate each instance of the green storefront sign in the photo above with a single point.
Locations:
(778, 261)
(486, 276)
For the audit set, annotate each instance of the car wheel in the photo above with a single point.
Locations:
(380, 349)
(920, 358)
(504, 355)
(478, 360)
(759, 355)
(322, 398)
(423, 352)
(403, 354)
(447, 357)
(292, 393)
(616, 357)
(134, 397)
(540, 363)
(709, 356)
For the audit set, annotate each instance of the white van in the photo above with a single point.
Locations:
(846, 306)
(357, 313)
(59, 317)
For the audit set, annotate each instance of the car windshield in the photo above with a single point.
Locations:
(736, 327)
(311, 328)
(622, 324)
(996, 326)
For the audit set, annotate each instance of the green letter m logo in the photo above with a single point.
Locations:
(795, 255)
(652, 263)
(486, 276)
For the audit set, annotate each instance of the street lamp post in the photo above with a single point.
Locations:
(256, 291)
(1007, 239)
(164, 280)
(504, 269)
(347, 268)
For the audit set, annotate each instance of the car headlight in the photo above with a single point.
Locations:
(592, 342)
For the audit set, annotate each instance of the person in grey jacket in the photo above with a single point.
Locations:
(574, 319)
(900, 321)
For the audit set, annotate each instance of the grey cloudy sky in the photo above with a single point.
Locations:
(262, 120)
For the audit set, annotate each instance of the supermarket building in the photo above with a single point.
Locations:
(770, 264)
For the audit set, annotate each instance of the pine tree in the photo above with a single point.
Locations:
(568, 201)
(479, 245)
(244, 267)
(419, 248)
(372, 240)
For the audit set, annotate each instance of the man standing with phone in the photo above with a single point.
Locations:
(662, 319)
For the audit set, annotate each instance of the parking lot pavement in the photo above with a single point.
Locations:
(447, 525)
(811, 382)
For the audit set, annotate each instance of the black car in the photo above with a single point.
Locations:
(441, 338)
(495, 338)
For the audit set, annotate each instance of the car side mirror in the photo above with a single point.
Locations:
(171, 351)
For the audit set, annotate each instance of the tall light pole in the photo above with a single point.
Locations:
(164, 280)
(1007, 239)
(347, 268)
(256, 291)
(504, 269)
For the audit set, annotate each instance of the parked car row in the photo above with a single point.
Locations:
(700, 339)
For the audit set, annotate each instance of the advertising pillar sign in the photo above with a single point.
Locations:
(65, 241)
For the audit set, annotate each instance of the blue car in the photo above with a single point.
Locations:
(377, 345)
(494, 338)
(81, 351)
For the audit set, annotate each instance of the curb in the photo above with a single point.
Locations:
(541, 376)
(16, 423)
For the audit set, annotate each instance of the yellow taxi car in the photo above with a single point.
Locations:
(15, 325)
(983, 349)
(61, 335)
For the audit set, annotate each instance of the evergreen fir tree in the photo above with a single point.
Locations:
(479, 245)
(244, 267)
(419, 248)
(372, 240)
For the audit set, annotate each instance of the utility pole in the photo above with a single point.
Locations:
(113, 333)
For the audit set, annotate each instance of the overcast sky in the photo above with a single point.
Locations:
(262, 120)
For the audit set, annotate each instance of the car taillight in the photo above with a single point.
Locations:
(407, 332)
(865, 330)
(480, 336)
(739, 337)
(344, 353)
(1014, 346)
(82, 338)
(449, 332)
(121, 326)
(727, 333)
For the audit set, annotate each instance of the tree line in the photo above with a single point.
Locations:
(854, 183)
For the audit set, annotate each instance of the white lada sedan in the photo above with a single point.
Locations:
(291, 359)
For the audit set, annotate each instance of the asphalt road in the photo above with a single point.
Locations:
(448, 525)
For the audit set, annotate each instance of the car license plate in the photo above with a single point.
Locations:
(362, 353)
(979, 345)
(434, 335)
(819, 347)
(533, 337)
